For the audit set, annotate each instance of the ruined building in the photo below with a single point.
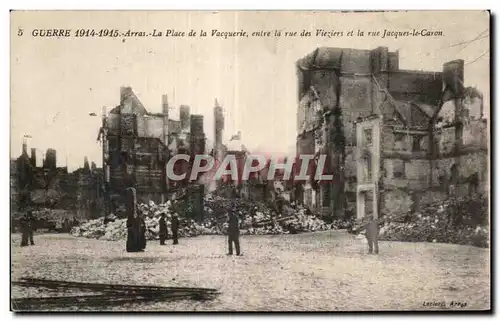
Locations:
(345, 92)
(412, 153)
(39, 186)
(138, 145)
(88, 182)
(218, 132)
(135, 150)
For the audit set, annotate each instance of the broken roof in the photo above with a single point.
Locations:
(428, 110)
(128, 95)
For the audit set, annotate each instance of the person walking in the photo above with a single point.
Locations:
(233, 233)
(27, 228)
(175, 228)
(370, 225)
(163, 229)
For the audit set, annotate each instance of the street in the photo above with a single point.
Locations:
(311, 271)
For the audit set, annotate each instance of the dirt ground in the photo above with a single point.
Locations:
(314, 271)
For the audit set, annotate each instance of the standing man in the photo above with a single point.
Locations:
(175, 228)
(163, 229)
(27, 227)
(233, 233)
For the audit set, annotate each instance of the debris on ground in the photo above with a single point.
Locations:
(255, 218)
(459, 220)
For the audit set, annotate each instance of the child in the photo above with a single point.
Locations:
(370, 225)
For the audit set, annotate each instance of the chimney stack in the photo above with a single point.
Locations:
(25, 147)
(164, 109)
(453, 76)
(164, 104)
(185, 118)
(219, 129)
(86, 163)
(33, 157)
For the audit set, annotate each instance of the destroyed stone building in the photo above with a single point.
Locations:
(138, 144)
(384, 129)
(135, 152)
(412, 154)
(79, 192)
(89, 190)
(41, 186)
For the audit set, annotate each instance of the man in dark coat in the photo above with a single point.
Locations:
(233, 233)
(142, 231)
(163, 229)
(27, 227)
(175, 228)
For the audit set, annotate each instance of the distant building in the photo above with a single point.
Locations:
(405, 162)
(139, 145)
(341, 91)
(33, 186)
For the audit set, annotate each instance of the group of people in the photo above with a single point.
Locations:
(174, 225)
(136, 228)
(136, 225)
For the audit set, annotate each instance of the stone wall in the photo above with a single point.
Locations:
(475, 134)
(396, 201)
(355, 101)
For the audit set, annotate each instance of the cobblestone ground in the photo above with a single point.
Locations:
(314, 271)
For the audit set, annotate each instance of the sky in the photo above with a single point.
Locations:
(57, 82)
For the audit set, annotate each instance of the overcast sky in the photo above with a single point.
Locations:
(56, 83)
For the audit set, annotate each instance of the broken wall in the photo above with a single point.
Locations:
(475, 134)
(325, 82)
(467, 166)
(355, 101)
(416, 86)
(308, 116)
(396, 201)
(446, 140)
(151, 126)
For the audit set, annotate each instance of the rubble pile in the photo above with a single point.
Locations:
(256, 218)
(46, 219)
(456, 220)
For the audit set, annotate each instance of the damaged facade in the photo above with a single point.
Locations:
(138, 145)
(135, 150)
(421, 152)
(391, 135)
(45, 186)
(48, 186)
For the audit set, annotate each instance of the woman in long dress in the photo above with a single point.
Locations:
(132, 221)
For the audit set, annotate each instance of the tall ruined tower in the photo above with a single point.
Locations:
(219, 130)
(50, 159)
(164, 109)
(185, 119)
(33, 157)
(184, 115)
(86, 165)
(197, 135)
